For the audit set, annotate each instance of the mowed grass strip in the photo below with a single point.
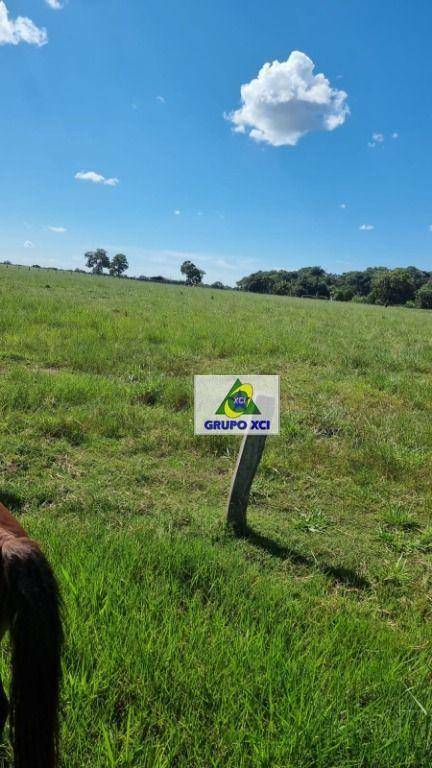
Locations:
(308, 643)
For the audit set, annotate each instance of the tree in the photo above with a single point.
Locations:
(342, 294)
(359, 282)
(311, 282)
(194, 275)
(424, 296)
(220, 286)
(119, 264)
(281, 288)
(257, 282)
(394, 286)
(97, 261)
(375, 284)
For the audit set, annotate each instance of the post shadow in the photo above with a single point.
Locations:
(339, 573)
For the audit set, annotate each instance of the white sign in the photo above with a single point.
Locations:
(238, 404)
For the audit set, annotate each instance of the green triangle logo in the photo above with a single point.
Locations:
(238, 401)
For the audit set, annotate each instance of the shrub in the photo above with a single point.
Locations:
(343, 294)
(424, 296)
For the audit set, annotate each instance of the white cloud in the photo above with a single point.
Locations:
(55, 4)
(161, 99)
(19, 30)
(377, 138)
(366, 227)
(286, 101)
(343, 205)
(177, 212)
(96, 178)
(29, 244)
(395, 135)
(58, 230)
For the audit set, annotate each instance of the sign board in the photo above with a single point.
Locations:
(240, 404)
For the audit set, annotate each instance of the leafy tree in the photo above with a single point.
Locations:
(193, 274)
(119, 264)
(374, 284)
(344, 293)
(359, 282)
(394, 286)
(97, 261)
(424, 296)
(257, 282)
(419, 276)
(311, 282)
(282, 287)
(220, 286)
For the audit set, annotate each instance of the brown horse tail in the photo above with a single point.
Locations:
(33, 613)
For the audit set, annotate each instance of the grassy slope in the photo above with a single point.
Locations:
(307, 645)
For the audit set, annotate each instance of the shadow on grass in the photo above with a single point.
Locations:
(338, 573)
(13, 501)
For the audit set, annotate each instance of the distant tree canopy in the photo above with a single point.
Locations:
(99, 260)
(309, 281)
(375, 285)
(193, 274)
(118, 265)
(394, 286)
(424, 296)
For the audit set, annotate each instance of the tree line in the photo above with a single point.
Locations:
(408, 286)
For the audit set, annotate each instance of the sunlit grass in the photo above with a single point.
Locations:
(307, 644)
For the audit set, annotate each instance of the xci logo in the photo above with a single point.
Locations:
(238, 401)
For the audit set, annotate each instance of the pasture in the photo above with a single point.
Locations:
(306, 645)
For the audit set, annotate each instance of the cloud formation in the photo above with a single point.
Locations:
(378, 138)
(55, 4)
(96, 178)
(19, 30)
(58, 230)
(366, 227)
(286, 101)
(29, 244)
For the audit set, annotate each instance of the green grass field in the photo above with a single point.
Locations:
(306, 645)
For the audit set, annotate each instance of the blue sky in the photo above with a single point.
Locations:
(136, 92)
